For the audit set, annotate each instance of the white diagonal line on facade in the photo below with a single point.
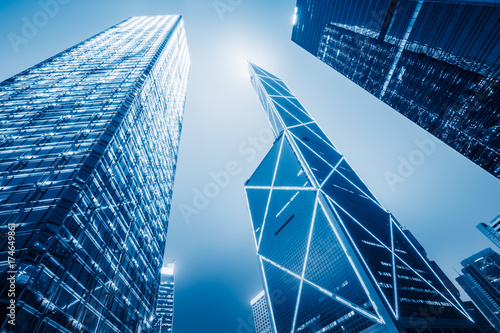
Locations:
(300, 108)
(343, 301)
(373, 195)
(251, 219)
(296, 188)
(302, 160)
(350, 259)
(364, 193)
(324, 291)
(300, 122)
(398, 257)
(331, 172)
(459, 308)
(359, 253)
(305, 262)
(394, 280)
(270, 194)
(303, 124)
(328, 143)
(314, 152)
(325, 141)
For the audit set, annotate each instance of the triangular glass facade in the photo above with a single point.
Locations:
(340, 260)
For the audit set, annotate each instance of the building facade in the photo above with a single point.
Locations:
(435, 62)
(491, 230)
(332, 258)
(479, 319)
(261, 314)
(88, 147)
(164, 320)
(481, 281)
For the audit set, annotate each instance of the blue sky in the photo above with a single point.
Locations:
(440, 201)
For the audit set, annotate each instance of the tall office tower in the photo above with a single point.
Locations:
(88, 147)
(261, 314)
(165, 307)
(331, 256)
(481, 281)
(437, 62)
(492, 231)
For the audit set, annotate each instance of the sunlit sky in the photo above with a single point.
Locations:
(217, 274)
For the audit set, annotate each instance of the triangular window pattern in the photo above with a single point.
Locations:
(288, 118)
(318, 166)
(290, 172)
(272, 91)
(329, 268)
(264, 174)
(276, 86)
(320, 147)
(286, 230)
(359, 206)
(292, 109)
(376, 256)
(318, 312)
(257, 203)
(345, 169)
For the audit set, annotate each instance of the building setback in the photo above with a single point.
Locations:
(88, 147)
(261, 314)
(164, 320)
(481, 281)
(335, 259)
(435, 62)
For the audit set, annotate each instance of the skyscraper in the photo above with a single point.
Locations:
(165, 307)
(261, 314)
(481, 281)
(492, 231)
(436, 62)
(333, 258)
(88, 147)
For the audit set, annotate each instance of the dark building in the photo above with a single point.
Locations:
(333, 259)
(164, 320)
(435, 62)
(481, 321)
(88, 148)
(481, 281)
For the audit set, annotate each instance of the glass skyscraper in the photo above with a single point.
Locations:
(491, 230)
(481, 281)
(88, 148)
(436, 62)
(261, 314)
(164, 318)
(332, 258)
